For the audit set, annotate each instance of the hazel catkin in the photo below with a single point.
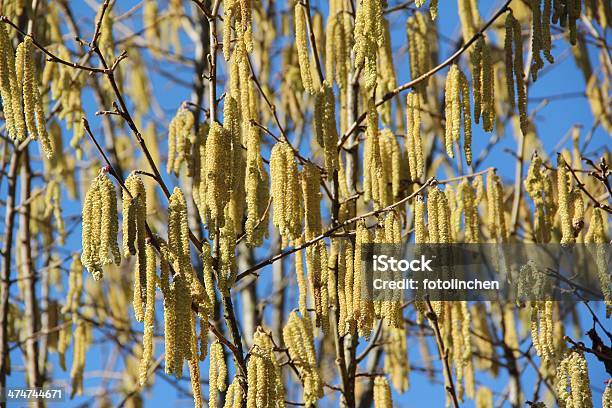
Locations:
(287, 215)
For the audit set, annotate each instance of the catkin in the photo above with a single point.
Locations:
(374, 183)
(257, 189)
(134, 233)
(514, 65)
(325, 125)
(467, 200)
(369, 36)
(565, 201)
(194, 367)
(396, 358)
(287, 215)
(484, 398)
(420, 231)
(299, 340)
(573, 385)
(35, 119)
(301, 43)
(382, 393)
(534, 186)
(418, 32)
(265, 382)
(75, 286)
(180, 136)
(458, 104)
(149, 319)
(363, 307)
(100, 226)
(391, 162)
(414, 143)
(217, 373)
(495, 208)
(218, 179)
(483, 79)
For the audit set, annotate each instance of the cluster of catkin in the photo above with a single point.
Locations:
(21, 99)
(514, 69)
(573, 385)
(382, 393)
(217, 373)
(100, 226)
(369, 36)
(458, 112)
(539, 187)
(299, 339)
(264, 378)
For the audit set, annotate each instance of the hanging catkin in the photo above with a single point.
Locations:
(573, 385)
(78, 357)
(369, 36)
(414, 143)
(264, 378)
(336, 54)
(217, 373)
(299, 340)
(149, 318)
(534, 186)
(300, 277)
(35, 120)
(227, 267)
(218, 178)
(469, 206)
(234, 395)
(565, 201)
(495, 208)
(325, 125)
(469, 17)
(418, 32)
(231, 122)
(457, 104)
(75, 286)
(134, 233)
(484, 398)
(391, 162)
(363, 307)
(180, 137)
(514, 65)
(396, 363)
(483, 84)
(374, 183)
(11, 89)
(287, 215)
(100, 226)
(301, 43)
(382, 393)
(257, 189)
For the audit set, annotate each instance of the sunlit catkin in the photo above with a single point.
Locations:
(75, 286)
(217, 373)
(100, 226)
(234, 395)
(483, 84)
(265, 382)
(257, 189)
(369, 36)
(495, 208)
(149, 319)
(564, 200)
(414, 144)
(573, 385)
(396, 358)
(382, 393)
(325, 125)
(35, 120)
(218, 178)
(457, 105)
(7, 81)
(180, 136)
(299, 340)
(363, 306)
(301, 42)
(467, 200)
(514, 65)
(134, 234)
(286, 197)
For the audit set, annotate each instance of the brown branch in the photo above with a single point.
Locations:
(444, 355)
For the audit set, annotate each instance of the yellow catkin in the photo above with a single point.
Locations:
(373, 173)
(246, 23)
(390, 150)
(495, 208)
(420, 231)
(178, 230)
(577, 212)
(534, 186)
(536, 38)
(382, 393)
(467, 198)
(180, 136)
(75, 286)
(396, 358)
(300, 277)
(311, 181)
(234, 395)
(484, 398)
(32, 102)
(301, 42)
(483, 339)
(100, 226)
(467, 118)
(452, 96)
(414, 143)
(363, 307)
(217, 373)
(349, 283)
(514, 65)
(257, 189)
(149, 319)
(573, 385)
(194, 367)
(419, 31)
(369, 36)
(218, 178)
(265, 382)
(285, 191)
(325, 125)
(469, 17)
(483, 85)
(134, 233)
(7, 59)
(78, 358)
(227, 267)
(335, 46)
(299, 340)
(565, 201)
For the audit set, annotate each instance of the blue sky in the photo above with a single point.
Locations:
(552, 122)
